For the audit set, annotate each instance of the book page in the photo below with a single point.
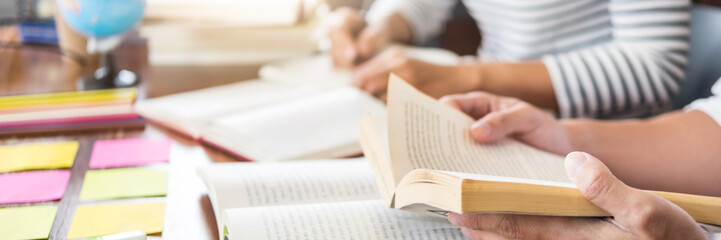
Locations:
(373, 138)
(370, 219)
(324, 125)
(425, 133)
(244, 184)
(190, 111)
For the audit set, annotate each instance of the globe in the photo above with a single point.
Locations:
(103, 22)
(101, 18)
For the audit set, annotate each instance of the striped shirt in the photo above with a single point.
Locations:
(711, 105)
(606, 58)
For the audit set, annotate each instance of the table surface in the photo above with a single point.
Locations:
(40, 69)
(189, 215)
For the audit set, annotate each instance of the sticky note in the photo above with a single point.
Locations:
(27, 222)
(33, 186)
(124, 183)
(37, 156)
(97, 220)
(129, 152)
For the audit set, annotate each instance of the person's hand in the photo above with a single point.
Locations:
(499, 117)
(432, 79)
(352, 40)
(636, 214)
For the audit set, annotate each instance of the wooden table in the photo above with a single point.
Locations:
(40, 69)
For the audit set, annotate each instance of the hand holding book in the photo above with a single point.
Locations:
(676, 151)
(426, 157)
(636, 213)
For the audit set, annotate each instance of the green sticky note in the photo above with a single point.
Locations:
(37, 156)
(124, 183)
(26, 222)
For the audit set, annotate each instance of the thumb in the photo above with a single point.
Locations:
(598, 185)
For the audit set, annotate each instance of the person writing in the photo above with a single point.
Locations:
(598, 58)
(677, 151)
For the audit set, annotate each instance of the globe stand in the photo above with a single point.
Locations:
(107, 77)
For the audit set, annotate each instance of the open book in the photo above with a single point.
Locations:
(309, 199)
(266, 121)
(300, 109)
(425, 160)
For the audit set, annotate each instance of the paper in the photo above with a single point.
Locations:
(129, 152)
(124, 183)
(425, 133)
(243, 184)
(37, 156)
(320, 126)
(370, 219)
(190, 112)
(97, 220)
(34, 186)
(32, 222)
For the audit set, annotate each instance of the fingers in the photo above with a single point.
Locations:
(509, 226)
(343, 51)
(372, 76)
(346, 24)
(372, 81)
(517, 118)
(480, 234)
(474, 104)
(499, 116)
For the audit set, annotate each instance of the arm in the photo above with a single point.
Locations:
(678, 151)
(640, 70)
(526, 81)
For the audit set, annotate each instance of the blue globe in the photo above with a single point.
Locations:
(101, 18)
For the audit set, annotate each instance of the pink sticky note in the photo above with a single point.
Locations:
(33, 186)
(129, 152)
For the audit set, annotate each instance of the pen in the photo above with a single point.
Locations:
(365, 5)
(134, 235)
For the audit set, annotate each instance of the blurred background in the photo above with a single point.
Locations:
(218, 41)
(185, 40)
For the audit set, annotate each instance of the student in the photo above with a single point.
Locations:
(585, 58)
(677, 151)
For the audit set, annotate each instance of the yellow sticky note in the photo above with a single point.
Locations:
(26, 222)
(37, 156)
(97, 220)
(124, 183)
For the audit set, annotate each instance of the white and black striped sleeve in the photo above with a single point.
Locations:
(426, 17)
(639, 71)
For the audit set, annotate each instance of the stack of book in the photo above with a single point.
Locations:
(68, 111)
(225, 35)
(246, 13)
